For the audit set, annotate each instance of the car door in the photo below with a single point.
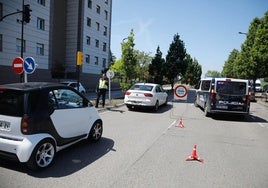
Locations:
(203, 93)
(71, 116)
(161, 94)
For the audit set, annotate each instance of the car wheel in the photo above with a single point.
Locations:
(96, 131)
(206, 111)
(166, 101)
(156, 106)
(43, 155)
(195, 102)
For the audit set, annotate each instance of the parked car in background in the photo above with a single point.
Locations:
(38, 119)
(73, 84)
(145, 95)
(258, 87)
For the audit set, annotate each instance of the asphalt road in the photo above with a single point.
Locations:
(145, 149)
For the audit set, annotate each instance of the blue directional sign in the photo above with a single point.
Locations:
(29, 65)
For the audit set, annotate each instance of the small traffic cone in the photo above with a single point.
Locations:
(194, 156)
(180, 124)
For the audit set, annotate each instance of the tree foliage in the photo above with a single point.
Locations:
(228, 68)
(193, 72)
(156, 68)
(252, 61)
(129, 61)
(175, 65)
(212, 73)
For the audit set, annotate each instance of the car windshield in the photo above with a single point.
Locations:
(225, 87)
(142, 87)
(11, 103)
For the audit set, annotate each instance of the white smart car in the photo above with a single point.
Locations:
(39, 119)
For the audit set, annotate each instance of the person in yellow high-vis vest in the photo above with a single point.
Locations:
(101, 90)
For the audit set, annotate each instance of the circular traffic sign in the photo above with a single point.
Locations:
(180, 91)
(17, 65)
(110, 74)
(29, 65)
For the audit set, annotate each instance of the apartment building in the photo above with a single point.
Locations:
(56, 31)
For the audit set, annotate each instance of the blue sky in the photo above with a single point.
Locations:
(208, 28)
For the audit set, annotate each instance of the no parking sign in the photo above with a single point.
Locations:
(180, 92)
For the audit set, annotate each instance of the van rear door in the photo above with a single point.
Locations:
(231, 96)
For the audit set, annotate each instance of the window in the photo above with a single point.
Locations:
(205, 85)
(41, 2)
(97, 43)
(87, 58)
(96, 60)
(104, 46)
(18, 45)
(1, 10)
(40, 23)
(65, 98)
(98, 26)
(98, 9)
(88, 40)
(103, 62)
(1, 43)
(106, 1)
(39, 49)
(89, 22)
(105, 31)
(106, 14)
(89, 3)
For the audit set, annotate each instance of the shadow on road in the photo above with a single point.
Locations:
(68, 161)
(241, 118)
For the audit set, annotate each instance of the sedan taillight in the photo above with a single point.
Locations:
(127, 93)
(148, 95)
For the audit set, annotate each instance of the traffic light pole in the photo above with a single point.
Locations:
(21, 44)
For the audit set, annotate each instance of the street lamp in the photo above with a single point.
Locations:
(242, 33)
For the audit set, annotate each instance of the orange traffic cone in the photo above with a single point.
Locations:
(180, 124)
(194, 156)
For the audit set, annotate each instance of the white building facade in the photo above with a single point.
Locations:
(56, 31)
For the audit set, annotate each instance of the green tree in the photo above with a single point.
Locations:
(143, 61)
(175, 65)
(193, 72)
(228, 67)
(212, 73)
(129, 60)
(252, 62)
(156, 68)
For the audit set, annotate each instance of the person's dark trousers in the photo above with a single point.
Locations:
(101, 92)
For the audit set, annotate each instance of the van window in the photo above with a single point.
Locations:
(225, 87)
(205, 85)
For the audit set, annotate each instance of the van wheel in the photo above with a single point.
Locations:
(43, 155)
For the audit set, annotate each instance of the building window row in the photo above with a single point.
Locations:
(98, 8)
(96, 62)
(40, 49)
(105, 28)
(97, 43)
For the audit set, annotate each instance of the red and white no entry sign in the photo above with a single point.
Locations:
(180, 92)
(17, 65)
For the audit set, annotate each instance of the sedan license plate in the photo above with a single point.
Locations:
(4, 125)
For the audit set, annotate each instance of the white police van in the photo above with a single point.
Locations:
(223, 95)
